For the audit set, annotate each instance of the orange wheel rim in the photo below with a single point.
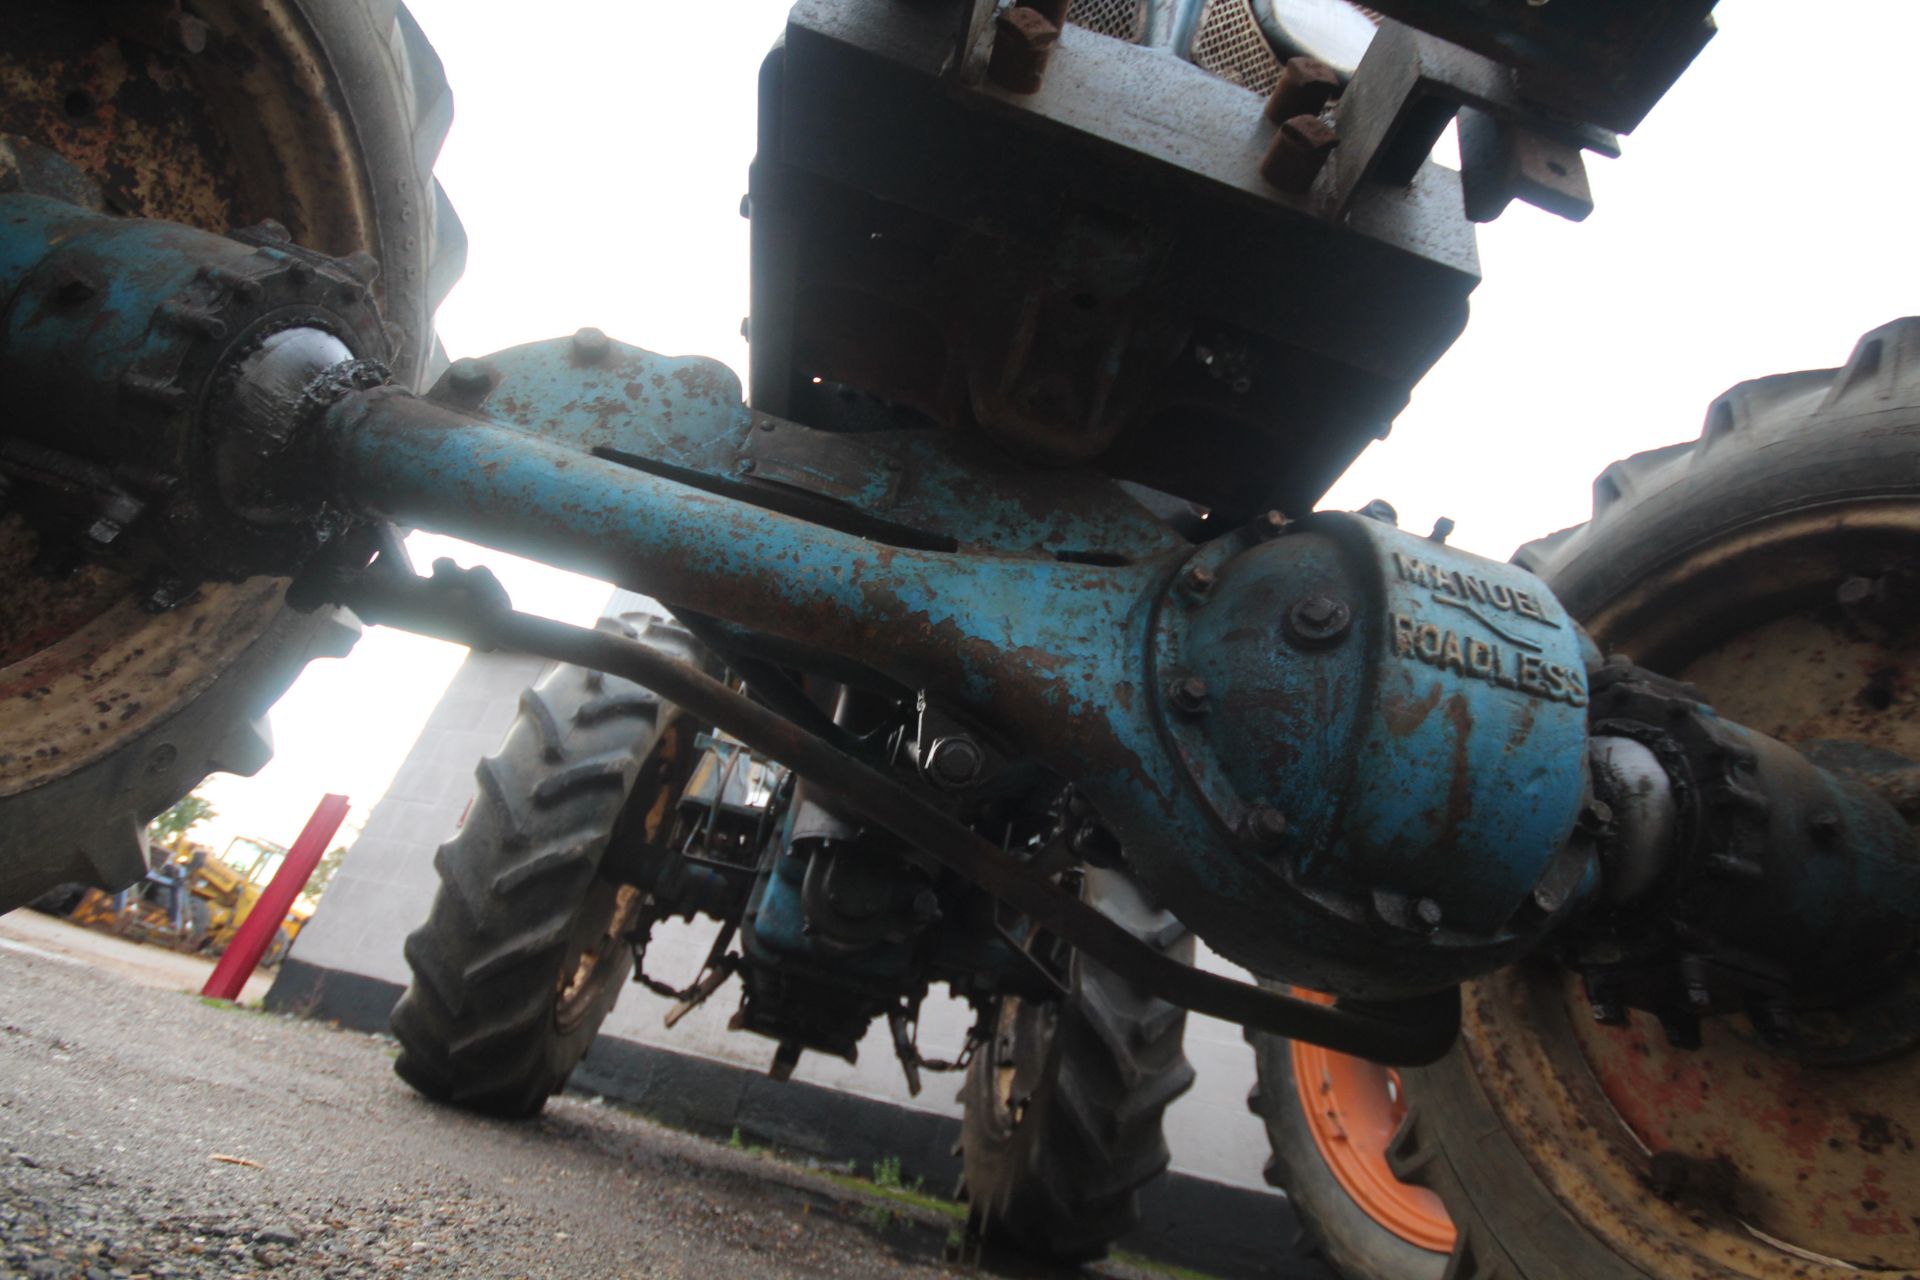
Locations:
(1353, 1108)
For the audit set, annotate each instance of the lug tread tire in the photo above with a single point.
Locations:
(478, 1027)
(1064, 1185)
(1771, 446)
(88, 825)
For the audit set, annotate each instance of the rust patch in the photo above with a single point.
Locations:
(1405, 716)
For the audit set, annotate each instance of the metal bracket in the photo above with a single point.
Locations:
(1406, 90)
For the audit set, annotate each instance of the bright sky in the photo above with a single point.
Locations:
(1761, 219)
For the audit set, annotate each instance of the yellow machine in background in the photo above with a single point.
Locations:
(197, 901)
(231, 884)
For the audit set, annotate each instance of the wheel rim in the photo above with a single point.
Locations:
(615, 913)
(1734, 1158)
(216, 124)
(1353, 1108)
(1022, 1045)
(582, 982)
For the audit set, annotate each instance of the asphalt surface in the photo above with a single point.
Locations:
(144, 1132)
(52, 938)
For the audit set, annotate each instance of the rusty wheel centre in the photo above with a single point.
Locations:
(1763, 1161)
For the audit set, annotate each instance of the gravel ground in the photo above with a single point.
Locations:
(146, 1133)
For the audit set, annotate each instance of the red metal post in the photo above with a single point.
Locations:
(257, 930)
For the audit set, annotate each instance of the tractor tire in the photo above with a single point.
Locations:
(1063, 1107)
(327, 116)
(1336, 1225)
(59, 900)
(1716, 562)
(277, 949)
(526, 947)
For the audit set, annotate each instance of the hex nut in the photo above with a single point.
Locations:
(1298, 153)
(955, 762)
(1317, 620)
(1188, 694)
(1265, 824)
(1305, 87)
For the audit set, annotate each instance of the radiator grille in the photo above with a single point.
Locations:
(1121, 19)
(1231, 45)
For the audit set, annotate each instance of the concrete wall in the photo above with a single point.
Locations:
(383, 889)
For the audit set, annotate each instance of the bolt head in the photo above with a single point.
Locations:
(470, 378)
(188, 32)
(1265, 824)
(1198, 580)
(1305, 87)
(1855, 591)
(1298, 153)
(1189, 693)
(590, 346)
(1607, 1014)
(1317, 620)
(955, 762)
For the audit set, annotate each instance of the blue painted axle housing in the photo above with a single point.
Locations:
(1347, 757)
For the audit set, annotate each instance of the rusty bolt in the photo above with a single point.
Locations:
(1603, 1000)
(469, 379)
(1265, 824)
(167, 592)
(162, 758)
(1023, 41)
(188, 32)
(1188, 694)
(1305, 87)
(590, 345)
(955, 762)
(1197, 581)
(1855, 592)
(1318, 620)
(1773, 1019)
(1272, 525)
(1298, 153)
